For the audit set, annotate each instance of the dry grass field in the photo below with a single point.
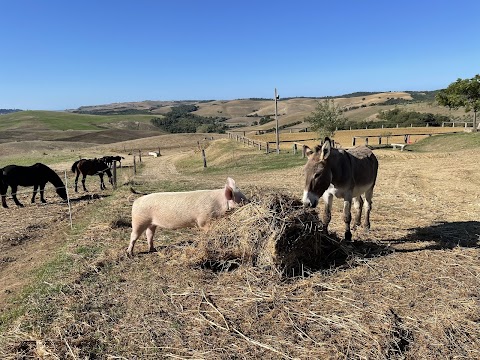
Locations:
(344, 138)
(407, 289)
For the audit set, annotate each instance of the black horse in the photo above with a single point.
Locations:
(91, 167)
(109, 160)
(37, 175)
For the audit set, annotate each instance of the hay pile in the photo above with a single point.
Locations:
(273, 231)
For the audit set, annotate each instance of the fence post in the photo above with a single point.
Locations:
(267, 150)
(379, 140)
(114, 174)
(304, 150)
(204, 158)
(68, 200)
(366, 140)
(294, 149)
(353, 141)
(140, 155)
(134, 165)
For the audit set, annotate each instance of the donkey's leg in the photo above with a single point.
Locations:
(14, 195)
(83, 183)
(357, 204)
(327, 214)
(150, 232)
(347, 217)
(368, 207)
(35, 187)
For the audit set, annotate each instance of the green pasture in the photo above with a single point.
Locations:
(235, 158)
(58, 120)
(447, 143)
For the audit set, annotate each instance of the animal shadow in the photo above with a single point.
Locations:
(444, 235)
(340, 254)
(88, 197)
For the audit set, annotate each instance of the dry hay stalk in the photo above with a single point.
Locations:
(273, 231)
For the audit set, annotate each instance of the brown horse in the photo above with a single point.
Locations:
(345, 174)
(91, 167)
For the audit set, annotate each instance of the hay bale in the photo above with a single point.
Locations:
(274, 231)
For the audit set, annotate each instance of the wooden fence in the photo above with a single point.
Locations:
(406, 137)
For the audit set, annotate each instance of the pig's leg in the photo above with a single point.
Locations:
(150, 232)
(137, 230)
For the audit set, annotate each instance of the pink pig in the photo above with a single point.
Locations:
(175, 210)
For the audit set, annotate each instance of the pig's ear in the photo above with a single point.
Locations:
(231, 183)
(228, 192)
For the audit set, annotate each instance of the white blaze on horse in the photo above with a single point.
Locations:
(346, 174)
(175, 210)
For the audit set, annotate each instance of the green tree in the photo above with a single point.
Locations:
(326, 118)
(462, 93)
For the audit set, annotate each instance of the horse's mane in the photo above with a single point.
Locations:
(53, 176)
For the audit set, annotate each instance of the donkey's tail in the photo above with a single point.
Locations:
(74, 166)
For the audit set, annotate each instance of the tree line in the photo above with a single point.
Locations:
(8, 111)
(180, 119)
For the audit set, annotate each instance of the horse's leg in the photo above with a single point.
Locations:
(150, 232)
(368, 207)
(42, 190)
(35, 187)
(327, 214)
(347, 216)
(4, 198)
(357, 204)
(76, 181)
(14, 195)
(102, 184)
(83, 183)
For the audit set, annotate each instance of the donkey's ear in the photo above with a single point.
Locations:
(309, 152)
(326, 150)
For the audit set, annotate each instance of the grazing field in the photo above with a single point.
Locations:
(407, 289)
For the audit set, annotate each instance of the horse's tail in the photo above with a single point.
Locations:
(74, 166)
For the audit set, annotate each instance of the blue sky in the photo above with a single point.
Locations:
(64, 54)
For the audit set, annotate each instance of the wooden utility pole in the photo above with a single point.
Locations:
(276, 123)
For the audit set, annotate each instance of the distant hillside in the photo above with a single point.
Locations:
(71, 127)
(257, 114)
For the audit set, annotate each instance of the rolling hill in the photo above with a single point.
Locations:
(125, 121)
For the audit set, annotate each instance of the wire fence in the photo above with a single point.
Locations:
(25, 194)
